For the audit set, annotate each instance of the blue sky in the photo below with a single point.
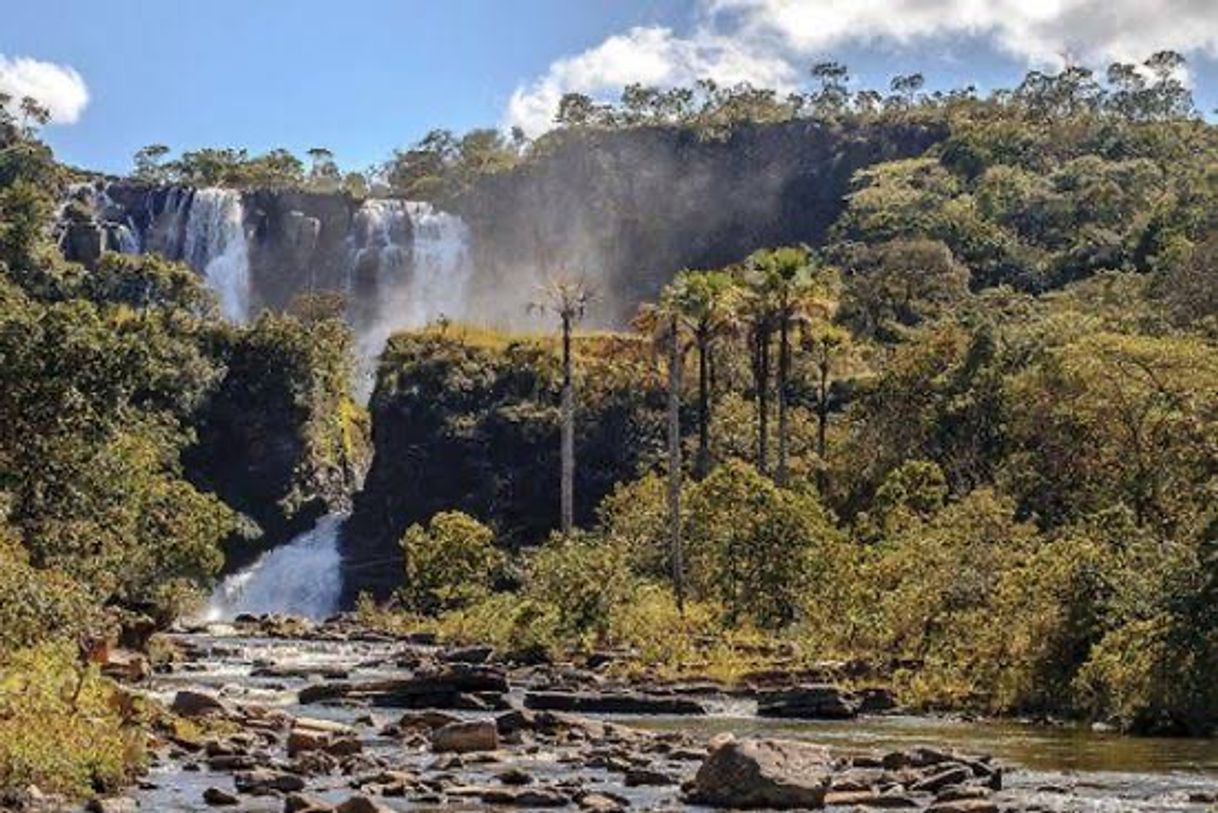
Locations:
(365, 76)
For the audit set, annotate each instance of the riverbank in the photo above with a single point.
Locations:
(287, 716)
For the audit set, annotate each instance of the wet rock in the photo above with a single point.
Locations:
(197, 704)
(964, 806)
(525, 797)
(464, 737)
(875, 699)
(112, 804)
(640, 777)
(323, 692)
(469, 654)
(515, 777)
(870, 799)
(361, 804)
(602, 802)
(775, 774)
(959, 794)
(265, 782)
(814, 702)
(297, 803)
(301, 740)
(218, 797)
(612, 703)
(941, 779)
(921, 757)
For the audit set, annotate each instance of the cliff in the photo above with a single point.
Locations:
(629, 208)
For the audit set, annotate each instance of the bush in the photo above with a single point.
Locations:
(449, 564)
(64, 728)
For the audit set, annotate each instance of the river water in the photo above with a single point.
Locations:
(1050, 768)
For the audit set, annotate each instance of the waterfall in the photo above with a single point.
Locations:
(300, 578)
(415, 259)
(215, 245)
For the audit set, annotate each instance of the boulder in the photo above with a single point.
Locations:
(776, 774)
(361, 804)
(197, 704)
(812, 702)
(524, 797)
(464, 737)
(612, 703)
(218, 797)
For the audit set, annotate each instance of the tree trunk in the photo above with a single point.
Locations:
(674, 465)
(784, 374)
(568, 432)
(762, 381)
(822, 423)
(702, 464)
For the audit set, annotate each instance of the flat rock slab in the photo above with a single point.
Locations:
(612, 703)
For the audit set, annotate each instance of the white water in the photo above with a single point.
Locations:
(215, 245)
(422, 264)
(300, 578)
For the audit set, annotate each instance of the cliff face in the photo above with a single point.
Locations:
(461, 426)
(631, 208)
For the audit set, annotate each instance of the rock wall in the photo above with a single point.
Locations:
(629, 209)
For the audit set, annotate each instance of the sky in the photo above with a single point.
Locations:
(363, 77)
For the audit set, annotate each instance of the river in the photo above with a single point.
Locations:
(1048, 768)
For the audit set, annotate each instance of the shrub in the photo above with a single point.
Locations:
(449, 564)
(64, 728)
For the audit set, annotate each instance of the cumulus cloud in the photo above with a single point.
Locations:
(650, 55)
(769, 42)
(59, 88)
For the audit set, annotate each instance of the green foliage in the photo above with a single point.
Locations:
(62, 727)
(449, 564)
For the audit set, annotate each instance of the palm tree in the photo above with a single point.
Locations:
(706, 301)
(567, 298)
(786, 289)
(663, 323)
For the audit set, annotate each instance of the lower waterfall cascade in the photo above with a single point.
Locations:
(302, 578)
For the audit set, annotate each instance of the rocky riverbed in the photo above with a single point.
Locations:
(292, 717)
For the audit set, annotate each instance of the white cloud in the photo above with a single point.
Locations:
(59, 88)
(652, 56)
(770, 42)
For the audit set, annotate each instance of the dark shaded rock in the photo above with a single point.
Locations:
(464, 737)
(362, 804)
(640, 777)
(469, 654)
(218, 797)
(815, 702)
(197, 704)
(264, 782)
(612, 703)
(777, 774)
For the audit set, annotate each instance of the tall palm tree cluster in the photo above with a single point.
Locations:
(778, 301)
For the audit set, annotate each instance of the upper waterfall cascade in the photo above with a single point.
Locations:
(405, 263)
(215, 244)
(416, 282)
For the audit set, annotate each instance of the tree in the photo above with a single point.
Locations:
(324, 173)
(706, 302)
(148, 163)
(449, 564)
(783, 280)
(663, 323)
(830, 351)
(568, 299)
